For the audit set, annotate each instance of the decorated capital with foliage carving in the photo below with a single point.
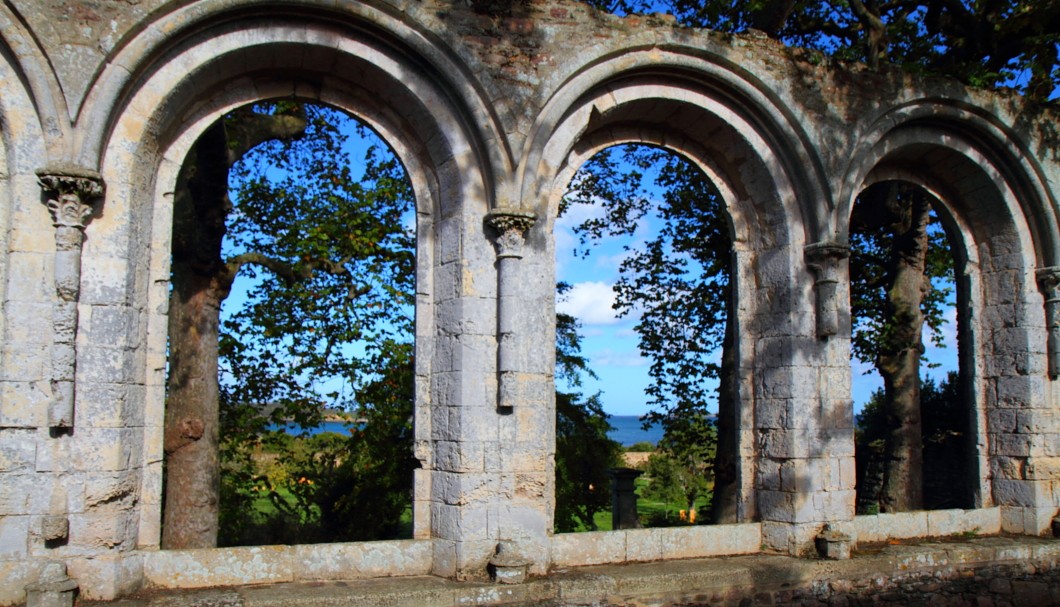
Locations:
(71, 193)
(511, 227)
(823, 259)
(1049, 283)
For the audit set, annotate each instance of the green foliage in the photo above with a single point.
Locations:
(641, 447)
(332, 272)
(327, 324)
(991, 44)
(330, 487)
(583, 455)
(682, 468)
(678, 282)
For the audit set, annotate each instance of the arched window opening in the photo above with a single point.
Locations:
(913, 421)
(289, 394)
(644, 266)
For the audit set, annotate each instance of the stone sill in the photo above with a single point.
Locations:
(175, 569)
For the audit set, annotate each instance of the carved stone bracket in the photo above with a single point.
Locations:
(823, 258)
(511, 227)
(1049, 283)
(70, 194)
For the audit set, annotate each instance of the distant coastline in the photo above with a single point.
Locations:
(626, 430)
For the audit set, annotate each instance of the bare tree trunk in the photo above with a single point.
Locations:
(899, 356)
(724, 504)
(201, 280)
(200, 284)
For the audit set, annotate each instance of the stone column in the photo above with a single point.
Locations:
(1049, 283)
(511, 227)
(823, 259)
(70, 194)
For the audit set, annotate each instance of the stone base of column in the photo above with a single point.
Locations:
(1026, 520)
(792, 539)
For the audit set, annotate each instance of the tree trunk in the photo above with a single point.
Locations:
(724, 504)
(201, 280)
(200, 284)
(899, 356)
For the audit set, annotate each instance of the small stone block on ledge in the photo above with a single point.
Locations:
(833, 545)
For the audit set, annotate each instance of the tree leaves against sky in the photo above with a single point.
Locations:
(984, 43)
(348, 259)
(678, 282)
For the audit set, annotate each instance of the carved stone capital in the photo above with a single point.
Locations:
(511, 227)
(1049, 283)
(71, 193)
(823, 259)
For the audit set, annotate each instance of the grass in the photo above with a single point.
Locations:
(652, 513)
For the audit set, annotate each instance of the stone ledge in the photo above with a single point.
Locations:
(172, 569)
(949, 568)
(640, 545)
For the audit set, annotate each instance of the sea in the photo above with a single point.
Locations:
(625, 430)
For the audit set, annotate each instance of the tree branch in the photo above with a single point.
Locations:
(246, 129)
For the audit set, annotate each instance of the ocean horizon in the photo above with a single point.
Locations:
(626, 430)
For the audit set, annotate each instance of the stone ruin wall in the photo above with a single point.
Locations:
(491, 109)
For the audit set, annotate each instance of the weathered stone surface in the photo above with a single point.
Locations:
(492, 115)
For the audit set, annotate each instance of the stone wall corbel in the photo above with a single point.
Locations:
(1049, 283)
(70, 194)
(823, 258)
(511, 227)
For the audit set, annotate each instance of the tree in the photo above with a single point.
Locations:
(894, 259)
(334, 264)
(681, 469)
(583, 450)
(988, 44)
(943, 435)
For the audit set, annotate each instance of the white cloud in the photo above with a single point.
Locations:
(590, 302)
(614, 358)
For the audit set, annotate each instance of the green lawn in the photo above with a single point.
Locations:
(662, 514)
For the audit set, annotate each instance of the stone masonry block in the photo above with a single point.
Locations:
(227, 567)
(14, 537)
(30, 278)
(1019, 392)
(112, 492)
(902, 525)
(106, 406)
(105, 365)
(104, 280)
(361, 560)
(472, 423)
(24, 404)
(117, 326)
(1022, 493)
(18, 450)
(26, 362)
(455, 456)
(591, 548)
(90, 449)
